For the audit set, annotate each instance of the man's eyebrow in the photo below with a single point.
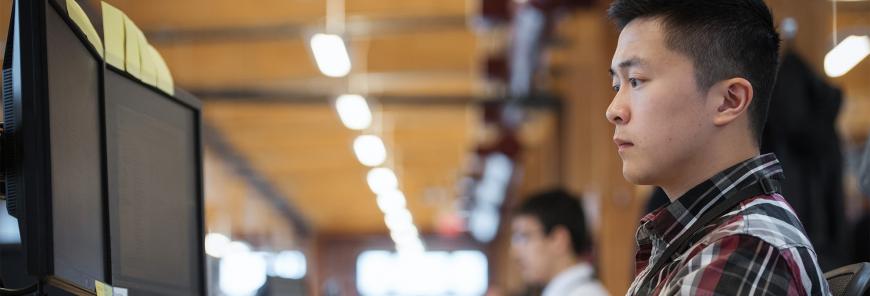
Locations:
(632, 62)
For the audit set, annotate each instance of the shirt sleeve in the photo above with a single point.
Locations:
(744, 265)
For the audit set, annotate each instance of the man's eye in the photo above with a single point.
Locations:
(616, 88)
(633, 82)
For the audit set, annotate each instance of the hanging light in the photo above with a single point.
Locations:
(846, 55)
(400, 219)
(382, 180)
(330, 54)
(216, 244)
(391, 201)
(370, 150)
(354, 112)
(242, 273)
(290, 265)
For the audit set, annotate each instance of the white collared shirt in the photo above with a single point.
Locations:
(575, 281)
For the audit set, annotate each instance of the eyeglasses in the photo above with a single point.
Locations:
(522, 238)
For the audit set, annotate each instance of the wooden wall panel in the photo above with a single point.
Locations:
(593, 167)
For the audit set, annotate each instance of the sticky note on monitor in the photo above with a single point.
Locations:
(148, 66)
(81, 20)
(164, 77)
(132, 57)
(103, 289)
(113, 35)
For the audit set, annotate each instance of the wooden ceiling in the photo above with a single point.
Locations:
(400, 47)
(306, 153)
(257, 53)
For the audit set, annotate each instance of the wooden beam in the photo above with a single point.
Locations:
(392, 62)
(355, 28)
(253, 95)
(199, 14)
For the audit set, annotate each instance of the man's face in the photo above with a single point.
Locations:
(531, 249)
(659, 113)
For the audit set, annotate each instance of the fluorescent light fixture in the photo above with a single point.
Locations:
(424, 273)
(236, 247)
(330, 54)
(399, 219)
(290, 265)
(846, 55)
(354, 112)
(242, 273)
(216, 244)
(391, 201)
(405, 230)
(483, 223)
(370, 150)
(499, 168)
(406, 236)
(382, 180)
(411, 249)
(375, 272)
(467, 273)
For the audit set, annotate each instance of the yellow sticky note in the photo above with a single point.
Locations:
(81, 19)
(103, 289)
(164, 78)
(132, 57)
(148, 66)
(113, 33)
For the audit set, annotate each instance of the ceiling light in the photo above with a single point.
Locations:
(290, 265)
(216, 244)
(242, 273)
(330, 54)
(846, 55)
(391, 201)
(370, 150)
(382, 180)
(399, 219)
(354, 112)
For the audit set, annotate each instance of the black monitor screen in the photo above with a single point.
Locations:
(73, 74)
(154, 194)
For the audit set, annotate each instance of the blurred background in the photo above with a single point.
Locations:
(375, 147)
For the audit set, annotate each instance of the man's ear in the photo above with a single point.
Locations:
(731, 98)
(561, 237)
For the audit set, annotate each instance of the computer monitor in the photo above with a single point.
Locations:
(155, 188)
(103, 172)
(52, 150)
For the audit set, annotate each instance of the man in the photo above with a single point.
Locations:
(693, 80)
(552, 247)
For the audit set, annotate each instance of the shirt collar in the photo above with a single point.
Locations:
(569, 278)
(669, 221)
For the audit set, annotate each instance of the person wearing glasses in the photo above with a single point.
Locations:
(552, 247)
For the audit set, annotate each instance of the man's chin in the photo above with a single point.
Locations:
(635, 177)
(534, 280)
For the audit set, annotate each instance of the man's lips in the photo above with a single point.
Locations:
(622, 144)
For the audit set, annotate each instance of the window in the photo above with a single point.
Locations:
(460, 273)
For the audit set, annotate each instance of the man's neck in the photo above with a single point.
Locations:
(704, 166)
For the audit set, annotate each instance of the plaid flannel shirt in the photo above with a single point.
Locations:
(758, 248)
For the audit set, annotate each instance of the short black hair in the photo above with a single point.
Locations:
(723, 38)
(554, 208)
